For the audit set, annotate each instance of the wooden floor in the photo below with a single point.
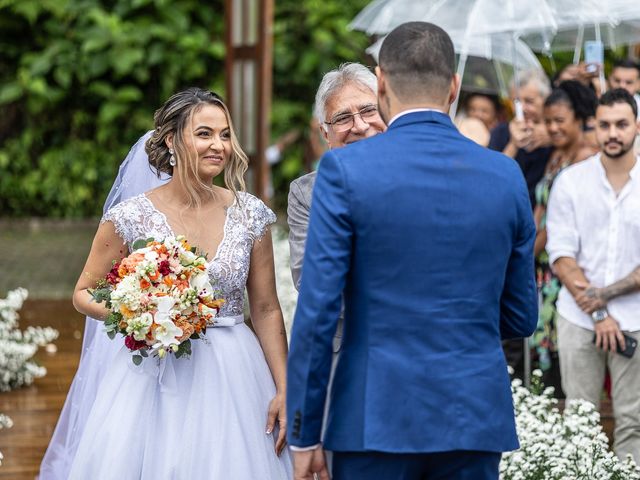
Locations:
(34, 410)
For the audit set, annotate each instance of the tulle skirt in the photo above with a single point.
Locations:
(202, 417)
(97, 353)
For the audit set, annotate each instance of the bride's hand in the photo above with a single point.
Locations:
(278, 412)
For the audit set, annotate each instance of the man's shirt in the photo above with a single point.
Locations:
(587, 221)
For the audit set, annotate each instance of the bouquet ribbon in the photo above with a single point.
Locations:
(228, 321)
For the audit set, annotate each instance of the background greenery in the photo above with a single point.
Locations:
(80, 80)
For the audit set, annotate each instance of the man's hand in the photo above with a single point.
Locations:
(539, 136)
(608, 335)
(520, 133)
(310, 465)
(589, 298)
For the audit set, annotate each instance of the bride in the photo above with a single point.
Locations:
(221, 412)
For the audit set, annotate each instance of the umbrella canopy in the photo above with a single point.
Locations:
(489, 66)
(616, 23)
(468, 22)
(382, 16)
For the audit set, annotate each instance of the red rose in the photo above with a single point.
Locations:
(133, 344)
(112, 277)
(164, 268)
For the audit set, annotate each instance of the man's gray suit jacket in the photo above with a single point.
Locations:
(299, 206)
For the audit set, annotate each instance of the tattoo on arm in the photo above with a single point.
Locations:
(629, 284)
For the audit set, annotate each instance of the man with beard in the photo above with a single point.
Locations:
(593, 225)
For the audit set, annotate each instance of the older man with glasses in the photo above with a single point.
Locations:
(346, 108)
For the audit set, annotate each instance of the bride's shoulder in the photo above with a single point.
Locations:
(256, 213)
(132, 207)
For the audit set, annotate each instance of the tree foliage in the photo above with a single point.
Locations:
(80, 80)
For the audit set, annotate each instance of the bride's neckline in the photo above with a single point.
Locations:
(170, 230)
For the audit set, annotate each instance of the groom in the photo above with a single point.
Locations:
(429, 237)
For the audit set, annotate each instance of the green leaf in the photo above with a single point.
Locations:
(62, 76)
(184, 349)
(143, 352)
(138, 244)
(10, 92)
(111, 334)
(137, 359)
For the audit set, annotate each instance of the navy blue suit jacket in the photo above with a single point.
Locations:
(430, 238)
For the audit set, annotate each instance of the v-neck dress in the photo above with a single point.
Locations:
(202, 417)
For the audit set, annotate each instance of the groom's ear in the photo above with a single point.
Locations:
(382, 84)
(454, 88)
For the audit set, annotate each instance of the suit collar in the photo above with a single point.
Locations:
(419, 116)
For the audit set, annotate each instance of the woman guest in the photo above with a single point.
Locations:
(566, 113)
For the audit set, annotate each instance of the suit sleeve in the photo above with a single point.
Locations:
(298, 220)
(519, 301)
(326, 263)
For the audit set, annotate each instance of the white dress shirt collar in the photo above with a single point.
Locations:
(412, 110)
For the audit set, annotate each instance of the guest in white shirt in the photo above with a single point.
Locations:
(593, 226)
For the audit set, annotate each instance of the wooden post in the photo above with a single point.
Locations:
(249, 32)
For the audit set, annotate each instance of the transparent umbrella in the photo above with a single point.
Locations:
(489, 64)
(466, 21)
(382, 16)
(615, 23)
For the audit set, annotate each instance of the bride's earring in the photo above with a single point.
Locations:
(172, 160)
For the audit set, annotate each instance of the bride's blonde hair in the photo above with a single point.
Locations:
(171, 119)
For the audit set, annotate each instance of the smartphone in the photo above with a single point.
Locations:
(593, 55)
(630, 345)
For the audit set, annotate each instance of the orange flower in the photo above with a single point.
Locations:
(126, 312)
(168, 281)
(154, 275)
(144, 284)
(186, 327)
(122, 271)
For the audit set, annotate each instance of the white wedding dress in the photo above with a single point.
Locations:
(202, 417)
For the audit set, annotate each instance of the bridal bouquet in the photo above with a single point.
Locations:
(159, 297)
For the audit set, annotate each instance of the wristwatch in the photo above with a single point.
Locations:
(599, 315)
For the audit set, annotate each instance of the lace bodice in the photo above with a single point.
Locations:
(246, 221)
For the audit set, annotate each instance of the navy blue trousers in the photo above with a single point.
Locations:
(457, 465)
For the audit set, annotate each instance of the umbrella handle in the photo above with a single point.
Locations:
(519, 111)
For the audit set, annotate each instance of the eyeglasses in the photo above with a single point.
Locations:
(344, 121)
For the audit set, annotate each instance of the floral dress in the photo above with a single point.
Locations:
(544, 339)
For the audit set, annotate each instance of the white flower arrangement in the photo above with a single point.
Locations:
(5, 422)
(560, 446)
(17, 347)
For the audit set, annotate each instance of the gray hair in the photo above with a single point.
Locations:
(336, 79)
(534, 75)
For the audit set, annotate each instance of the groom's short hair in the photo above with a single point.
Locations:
(418, 59)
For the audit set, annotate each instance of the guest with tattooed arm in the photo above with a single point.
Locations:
(593, 228)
